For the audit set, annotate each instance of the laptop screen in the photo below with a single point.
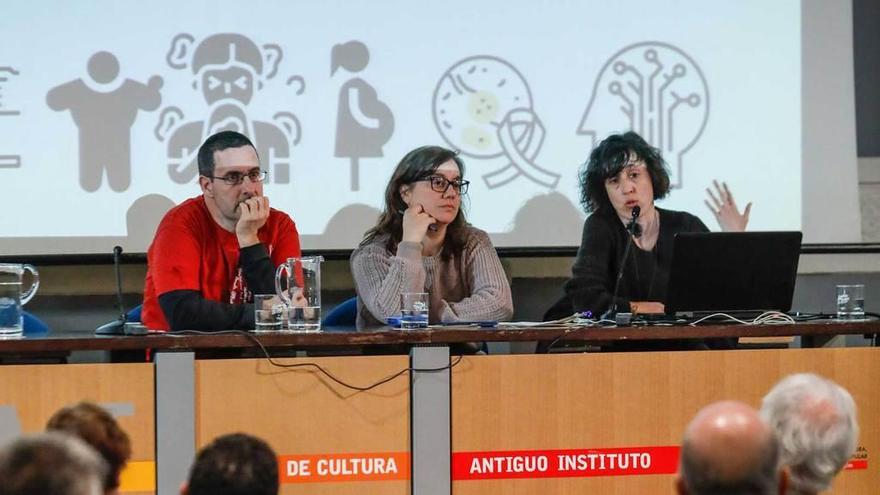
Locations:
(733, 271)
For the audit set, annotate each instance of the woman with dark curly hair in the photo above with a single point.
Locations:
(422, 243)
(625, 172)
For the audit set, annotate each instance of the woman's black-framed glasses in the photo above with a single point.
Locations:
(236, 178)
(441, 184)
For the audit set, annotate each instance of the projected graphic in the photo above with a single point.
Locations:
(103, 107)
(364, 123)
(483, 107)
(5, 74)
(7, 160)
(655, 89)
(228, 70)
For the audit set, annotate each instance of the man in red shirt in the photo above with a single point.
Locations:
(212, 253)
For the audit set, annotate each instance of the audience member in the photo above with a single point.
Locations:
(728, 450)
(815, 422)
(51, 463)
(236, 464)
(97, 428)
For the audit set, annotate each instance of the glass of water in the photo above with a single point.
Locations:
(269, 312)
(850, 301)
(300, 288)
(12, 298)
(414, 310)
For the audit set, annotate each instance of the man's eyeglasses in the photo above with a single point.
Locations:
(236, 178)
(441, 184)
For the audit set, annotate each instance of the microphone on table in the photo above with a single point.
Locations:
(634, 230)
(117, 326)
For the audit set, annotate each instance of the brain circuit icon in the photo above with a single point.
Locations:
(655, 89)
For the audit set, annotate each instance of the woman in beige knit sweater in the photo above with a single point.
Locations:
(422, 243)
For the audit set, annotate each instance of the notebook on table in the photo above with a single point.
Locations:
(738, 273)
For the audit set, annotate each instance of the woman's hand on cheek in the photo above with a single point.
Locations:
(415, 223)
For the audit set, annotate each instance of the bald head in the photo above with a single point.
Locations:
(728, 449)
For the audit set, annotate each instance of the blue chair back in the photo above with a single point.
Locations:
(33, 325)
(134, 314)
(343, 315)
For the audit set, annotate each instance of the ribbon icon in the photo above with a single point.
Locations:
(521, 135)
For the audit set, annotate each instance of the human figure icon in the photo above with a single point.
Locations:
(363, 123)
(104, 107)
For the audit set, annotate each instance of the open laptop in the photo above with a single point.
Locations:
(745, 273)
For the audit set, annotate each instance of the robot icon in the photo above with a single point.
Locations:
(228, 69)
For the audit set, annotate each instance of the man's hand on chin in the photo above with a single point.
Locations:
(253, 213)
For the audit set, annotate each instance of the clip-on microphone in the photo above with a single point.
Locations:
(117, 326)
(634, 230)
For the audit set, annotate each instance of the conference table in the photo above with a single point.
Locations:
(391, 411)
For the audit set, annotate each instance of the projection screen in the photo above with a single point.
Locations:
(103, 105)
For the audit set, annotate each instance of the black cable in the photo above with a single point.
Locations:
(796, 315)
(873, 337)
(557, 339)
(316, 365)
(569, 330)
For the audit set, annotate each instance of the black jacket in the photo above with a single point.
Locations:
(646, 273)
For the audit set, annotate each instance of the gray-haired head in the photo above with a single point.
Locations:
(728, 450)
(815, 422)
(51, 463)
